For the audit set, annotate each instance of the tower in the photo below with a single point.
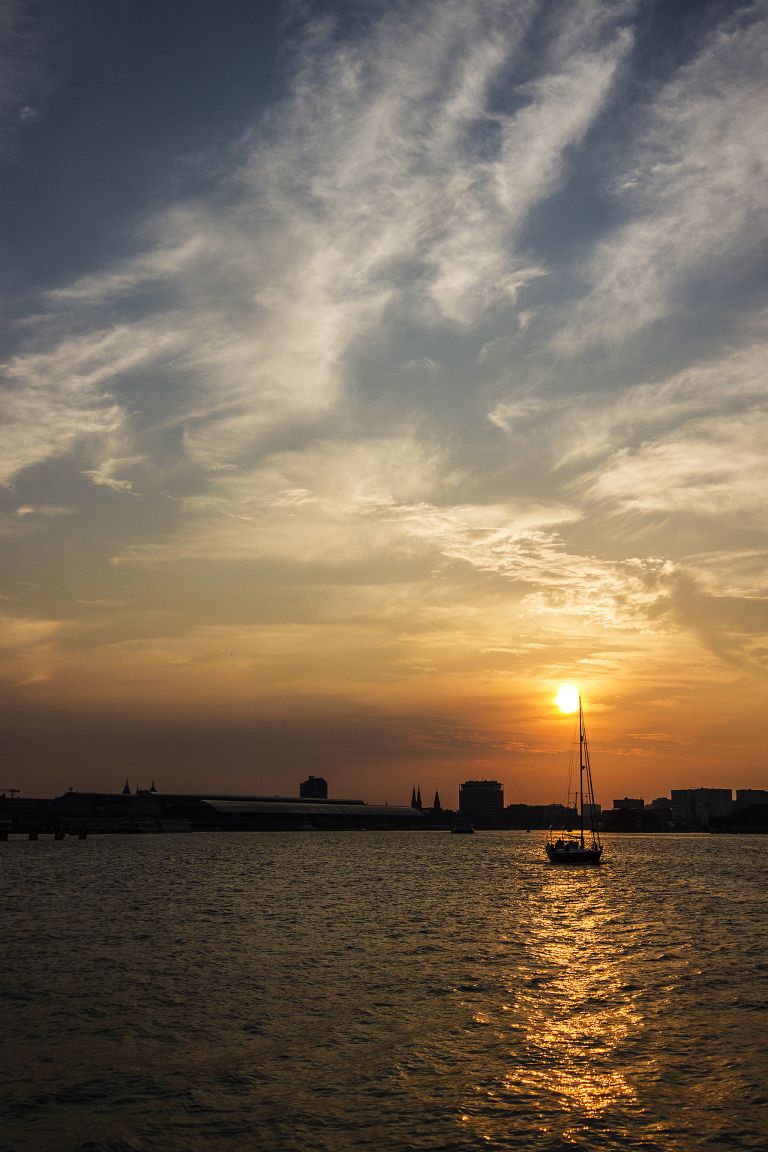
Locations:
(482, 802)
(314, 788)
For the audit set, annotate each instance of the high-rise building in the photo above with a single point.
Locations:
(482, 802)
(745, 797)
(313, 788)
(695, 807)
(628, 803)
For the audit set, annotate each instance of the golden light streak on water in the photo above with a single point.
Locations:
(577, 1018)
(568, 1010)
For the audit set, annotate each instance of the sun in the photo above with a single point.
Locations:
(567, 698)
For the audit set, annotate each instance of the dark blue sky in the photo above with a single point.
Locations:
(135, 103)
(132, 99)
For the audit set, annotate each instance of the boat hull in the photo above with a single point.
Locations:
(573, 855)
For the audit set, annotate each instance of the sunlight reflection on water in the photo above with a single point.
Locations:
(577, 1012)
(385, 991)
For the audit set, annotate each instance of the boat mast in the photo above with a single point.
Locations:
(581, 773)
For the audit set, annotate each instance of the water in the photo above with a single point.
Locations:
(387, 991)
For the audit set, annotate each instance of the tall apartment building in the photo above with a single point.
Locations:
(695, 807)
(745, 797)
(482, 802)
(629, 803)
(313, 788)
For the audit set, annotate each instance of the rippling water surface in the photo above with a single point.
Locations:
(340, 991)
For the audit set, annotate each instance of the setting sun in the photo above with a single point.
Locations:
(567, 698)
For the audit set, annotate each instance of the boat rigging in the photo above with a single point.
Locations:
(586, 847)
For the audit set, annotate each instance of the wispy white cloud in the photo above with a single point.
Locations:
(46, 511)
(106, 475)
(552, 579)
(55, 399)
(178, 243)
(708, 468)
(475, 263)
(330, 504)
(389, 132)
(694, 195)
(359, 507)
(671, 464)
(689, 444)
(363, 196)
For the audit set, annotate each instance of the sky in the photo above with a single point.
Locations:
(371, 369)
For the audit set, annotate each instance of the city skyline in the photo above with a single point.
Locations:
(370, 372)
(429, 800)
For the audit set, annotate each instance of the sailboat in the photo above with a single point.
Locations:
(586, 847)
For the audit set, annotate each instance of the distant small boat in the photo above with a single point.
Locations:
(463, 825)
(581, 849)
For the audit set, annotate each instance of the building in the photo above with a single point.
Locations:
(540, 816)
(146, 811)
(746, 797)
(482, 802)
(697, 807)
(635, 816)
(314, 788)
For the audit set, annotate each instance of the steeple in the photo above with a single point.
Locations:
(413, 797)
(437, 806)
(126, 788)
(418, 799)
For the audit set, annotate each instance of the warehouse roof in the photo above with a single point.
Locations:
(308, 808)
